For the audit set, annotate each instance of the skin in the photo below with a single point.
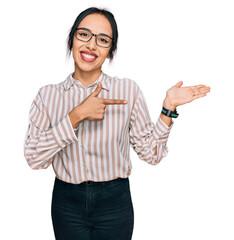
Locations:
(177, 95)
(88, 72)
(93, 108)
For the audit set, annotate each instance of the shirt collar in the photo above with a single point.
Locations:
(103, 78)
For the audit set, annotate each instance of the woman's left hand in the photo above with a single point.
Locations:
(177, 95)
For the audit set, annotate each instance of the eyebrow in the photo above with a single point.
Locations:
(103, 34)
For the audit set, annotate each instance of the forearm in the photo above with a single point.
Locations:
(40, 148)
(167, 120)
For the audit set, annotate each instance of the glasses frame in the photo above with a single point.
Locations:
(96, 35)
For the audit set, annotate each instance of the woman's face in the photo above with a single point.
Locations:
(97, 24)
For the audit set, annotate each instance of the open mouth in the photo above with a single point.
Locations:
(87, 57)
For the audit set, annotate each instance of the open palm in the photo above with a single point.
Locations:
(178, 95)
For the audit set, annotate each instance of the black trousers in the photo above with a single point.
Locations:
(92, 210)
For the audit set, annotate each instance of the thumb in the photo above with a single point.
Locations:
(179, 84)
(97, 90)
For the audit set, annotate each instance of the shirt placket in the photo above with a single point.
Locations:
(83, 140)
(83, 128)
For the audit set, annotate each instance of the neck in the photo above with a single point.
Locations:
(86, 78)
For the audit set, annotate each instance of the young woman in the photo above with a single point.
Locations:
(84, 127)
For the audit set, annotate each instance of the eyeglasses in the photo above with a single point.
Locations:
(85, 35)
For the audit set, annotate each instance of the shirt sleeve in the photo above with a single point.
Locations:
(42, 141)
(145, 136)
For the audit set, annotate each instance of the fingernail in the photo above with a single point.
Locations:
(125, 101)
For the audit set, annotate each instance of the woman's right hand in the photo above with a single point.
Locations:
(93, 107)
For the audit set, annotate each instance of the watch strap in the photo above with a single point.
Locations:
(169, 113)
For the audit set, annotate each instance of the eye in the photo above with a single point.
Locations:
(83, 34)
(103, 40)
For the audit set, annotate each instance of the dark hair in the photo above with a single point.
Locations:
(81, 16)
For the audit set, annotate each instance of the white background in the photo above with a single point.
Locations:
(189, 195)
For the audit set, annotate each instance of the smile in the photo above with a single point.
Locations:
(87, 57)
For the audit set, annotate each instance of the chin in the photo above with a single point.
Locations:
(86, 67)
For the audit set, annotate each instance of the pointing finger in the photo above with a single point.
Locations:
(114, 101)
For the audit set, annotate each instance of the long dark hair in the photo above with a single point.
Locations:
(81, 16)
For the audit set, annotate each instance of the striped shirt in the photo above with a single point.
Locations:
(96, 150)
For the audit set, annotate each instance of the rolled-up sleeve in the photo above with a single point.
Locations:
(145, 136)
(42, 141)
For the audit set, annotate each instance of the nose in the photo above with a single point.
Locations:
(91, 45)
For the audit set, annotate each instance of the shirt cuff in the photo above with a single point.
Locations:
(64, 132)
(162, 126)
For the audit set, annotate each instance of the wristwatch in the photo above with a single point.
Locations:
(169, 113)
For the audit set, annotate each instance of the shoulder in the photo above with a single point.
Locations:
(51, 88)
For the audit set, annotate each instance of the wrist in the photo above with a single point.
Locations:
(80, 114)
(76, 117)
(167, 105)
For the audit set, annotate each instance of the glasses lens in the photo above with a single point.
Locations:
(83, 35)
(103, 41)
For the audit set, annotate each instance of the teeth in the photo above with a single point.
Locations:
(88, 56)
